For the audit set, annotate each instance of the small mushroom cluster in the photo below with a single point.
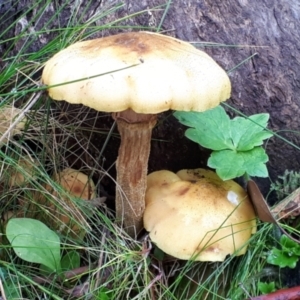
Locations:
(195, 215)
(135, 75)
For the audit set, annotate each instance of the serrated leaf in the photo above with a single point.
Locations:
(231, 164)
(227, 164)
(209, 140)
(34, 242)
(213, 129)
(206, 128)
(198, 119)
(235, 142)
(249, 133)
(279, 258)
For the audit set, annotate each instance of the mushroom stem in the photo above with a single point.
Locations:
(132, 166)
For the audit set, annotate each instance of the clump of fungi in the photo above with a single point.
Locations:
(135, 75)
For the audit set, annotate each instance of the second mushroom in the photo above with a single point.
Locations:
(194, 214)
(135, 75)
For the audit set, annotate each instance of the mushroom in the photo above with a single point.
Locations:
(25, 172)
(135, 75)
(8, 114)
(74, 184)
(195, 215)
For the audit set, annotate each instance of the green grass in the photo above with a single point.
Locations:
(60, 136)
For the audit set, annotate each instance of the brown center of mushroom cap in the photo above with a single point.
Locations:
(125, 44)
(161, 73)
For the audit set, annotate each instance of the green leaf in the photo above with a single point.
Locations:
(213, 129)
(46, 271)
(104, 294)
(282, 259)
(206, 128)
(236, 143)
(288, 245)
(70, 261)
(231, 164)
(266, 288)
(198, 119)
(249, 133)
(34, 242)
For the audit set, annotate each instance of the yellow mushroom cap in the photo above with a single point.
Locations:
(26, 171)
(73, 183)
(162, 73)
(161, 178)
(76, 183)
(7, 115)
(199, 218)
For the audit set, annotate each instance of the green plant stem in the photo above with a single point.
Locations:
(246, 177)
(168, 4)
